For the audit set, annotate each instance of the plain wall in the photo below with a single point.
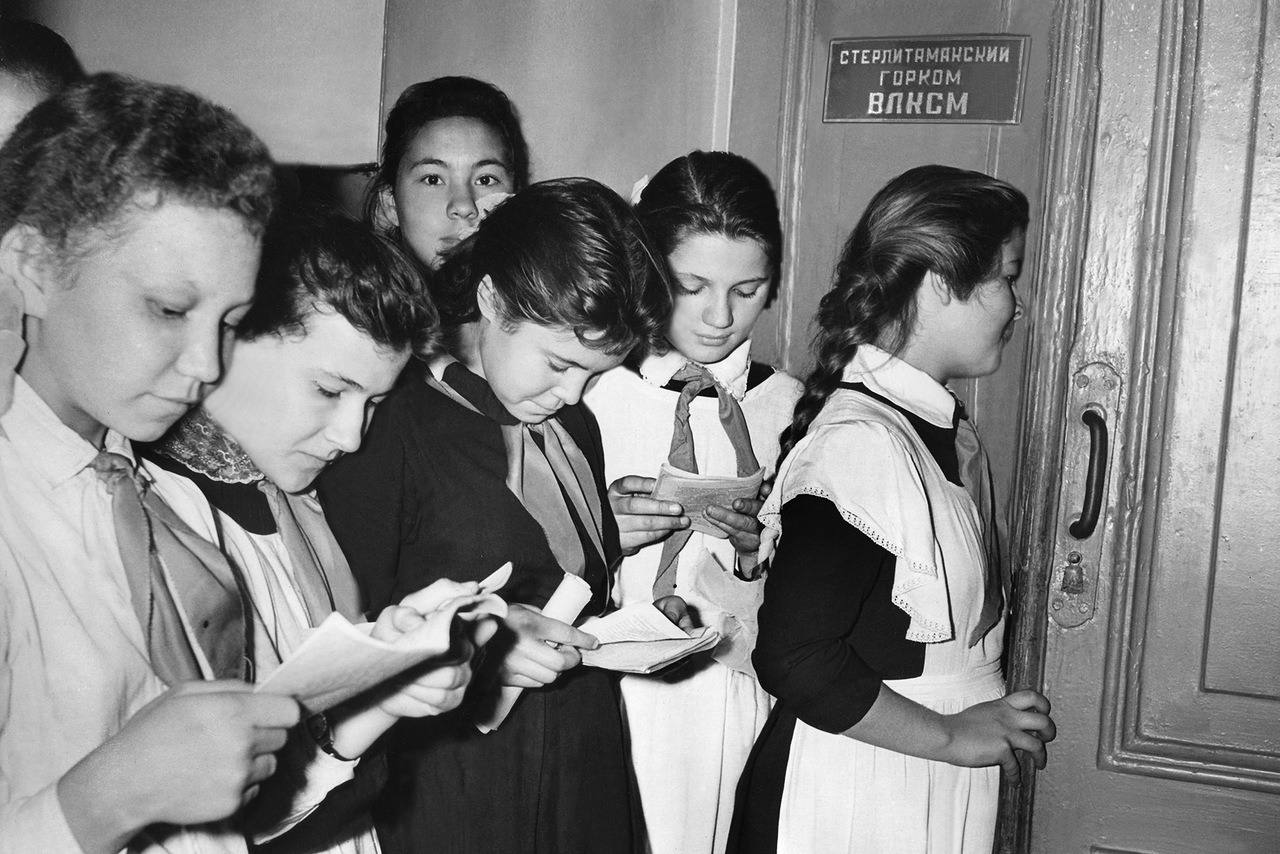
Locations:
(306, 75)
(609, 89)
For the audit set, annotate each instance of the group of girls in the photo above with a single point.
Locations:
(854, 701)
(586, 346)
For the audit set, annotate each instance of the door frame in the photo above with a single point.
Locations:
(1072, 138)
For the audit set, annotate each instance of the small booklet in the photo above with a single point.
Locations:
(640, 639)
(339, 660)
(697, 492)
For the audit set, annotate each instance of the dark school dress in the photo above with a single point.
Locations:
(426, 498)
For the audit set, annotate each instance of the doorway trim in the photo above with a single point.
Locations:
(1071, 119)
(796, 87)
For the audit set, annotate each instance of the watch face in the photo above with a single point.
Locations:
(318, 726)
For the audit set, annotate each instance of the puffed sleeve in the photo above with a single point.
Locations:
(822, 619)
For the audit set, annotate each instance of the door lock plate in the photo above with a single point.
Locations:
(1073, 591)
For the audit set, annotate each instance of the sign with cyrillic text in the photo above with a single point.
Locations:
(975, 79)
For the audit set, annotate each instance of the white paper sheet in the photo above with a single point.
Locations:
(338, 660)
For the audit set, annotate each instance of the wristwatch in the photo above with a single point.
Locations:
(322, 734)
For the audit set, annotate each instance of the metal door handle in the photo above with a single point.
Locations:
(1095, 399)
(1095, 478)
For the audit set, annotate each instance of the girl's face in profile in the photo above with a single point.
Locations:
(534, 370)
(969, 336)
(721, 286)
(449, 165)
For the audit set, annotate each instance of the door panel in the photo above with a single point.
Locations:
(1168, 699)
(1245, 633)
(1209, 486)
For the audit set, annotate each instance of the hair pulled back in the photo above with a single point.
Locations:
(566, 253)
(715, 193)
(951, 221)
(444, 98)
(79, 158)
(324, 261)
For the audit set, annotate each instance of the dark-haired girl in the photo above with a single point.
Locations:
(714, 219)
(449, 143)
(882, 623)
(485, 456)
(340, 311)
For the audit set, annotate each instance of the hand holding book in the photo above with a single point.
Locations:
(339, 660)
(641, 639)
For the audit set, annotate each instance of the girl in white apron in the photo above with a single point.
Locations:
(883, 616)
(702, 405)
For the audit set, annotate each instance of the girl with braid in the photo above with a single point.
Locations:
(883, 616)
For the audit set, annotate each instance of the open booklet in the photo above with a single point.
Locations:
(338, 660)
(640, 639)
(697, 492)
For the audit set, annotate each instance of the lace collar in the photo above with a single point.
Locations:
(730, 372)
(202, 446)
(902, 384)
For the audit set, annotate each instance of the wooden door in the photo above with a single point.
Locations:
(1160, 276)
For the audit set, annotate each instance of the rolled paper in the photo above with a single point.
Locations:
(571, 596)
(565, 604)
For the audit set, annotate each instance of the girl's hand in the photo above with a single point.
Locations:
(433, 687)
(542, 648)
(676, 610)
(434, 595)
(642, 520)
(739, 524)
(437, 685)
(194, 754)
(991, 733)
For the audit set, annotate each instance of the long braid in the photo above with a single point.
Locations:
(834, 350)
(864, 306)
(951, 221)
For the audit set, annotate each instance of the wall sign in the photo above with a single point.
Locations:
(975, 79)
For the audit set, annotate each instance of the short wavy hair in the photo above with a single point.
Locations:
(78, 159)
(567, 253)
(324, 261)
